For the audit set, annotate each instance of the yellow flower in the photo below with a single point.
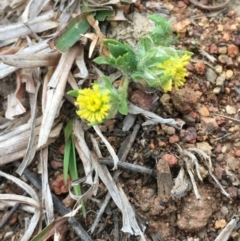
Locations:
(94, 104)
(174, 67)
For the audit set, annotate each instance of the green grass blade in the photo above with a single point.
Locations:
(68, 130)
(76, 27)
(66, 159)
(67, 149)
(74, 175)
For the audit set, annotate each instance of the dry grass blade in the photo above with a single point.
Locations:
(13, 145)
(154, 119)
(56, 90)
(83, 150)
(89, 193)
(130, 224)
(33, 8)
(109, 147)
(83, 71)
(6, 204)
(46, 192)
(34, 201)
(31, 148)
(31, 61)
(21, 199)
(5, 70)
(39, 24)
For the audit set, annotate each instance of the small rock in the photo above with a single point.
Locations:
(233, 28)
(191, 135)
(218, 148)
(237, 40)
(184, 100)
(110, 124)
(226, 37)
(200, 67)
(229, 74)
(224, 149)
(229, 62)
(211, 75)
(209, 124)
(170, 159)
(224, 210)
(227, 90)
(233, 50)
(203, 111)
(222, 58)
(217, 90)
(222, 50)
(218, 172)
(56, 164)
(194, 214)
(219, 69)
(181, 4)
(204, 146)
(141, 99)
(61, 149)
(165, 100)
(68, 201)
(213, 49)
(219, 224)
(174, 139)
(220, 79)
(237, 153)
(219, 27)
(59, 186)
(233, 192)
(231, 110)
(168, 129)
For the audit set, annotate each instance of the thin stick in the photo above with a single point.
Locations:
(127, 144)
(116, 226)
(9, 215)
(128, 166)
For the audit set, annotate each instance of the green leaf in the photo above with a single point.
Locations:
(76, 27)
(105, 60)
(107, 82)
(101, 15)
(123, 107)
(117, 50)
(145, 44)
(120, 47)
(73, 93)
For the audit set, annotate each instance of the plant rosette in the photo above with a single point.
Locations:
(153, 62)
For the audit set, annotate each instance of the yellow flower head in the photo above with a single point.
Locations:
(94, 104)
(175, 67)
